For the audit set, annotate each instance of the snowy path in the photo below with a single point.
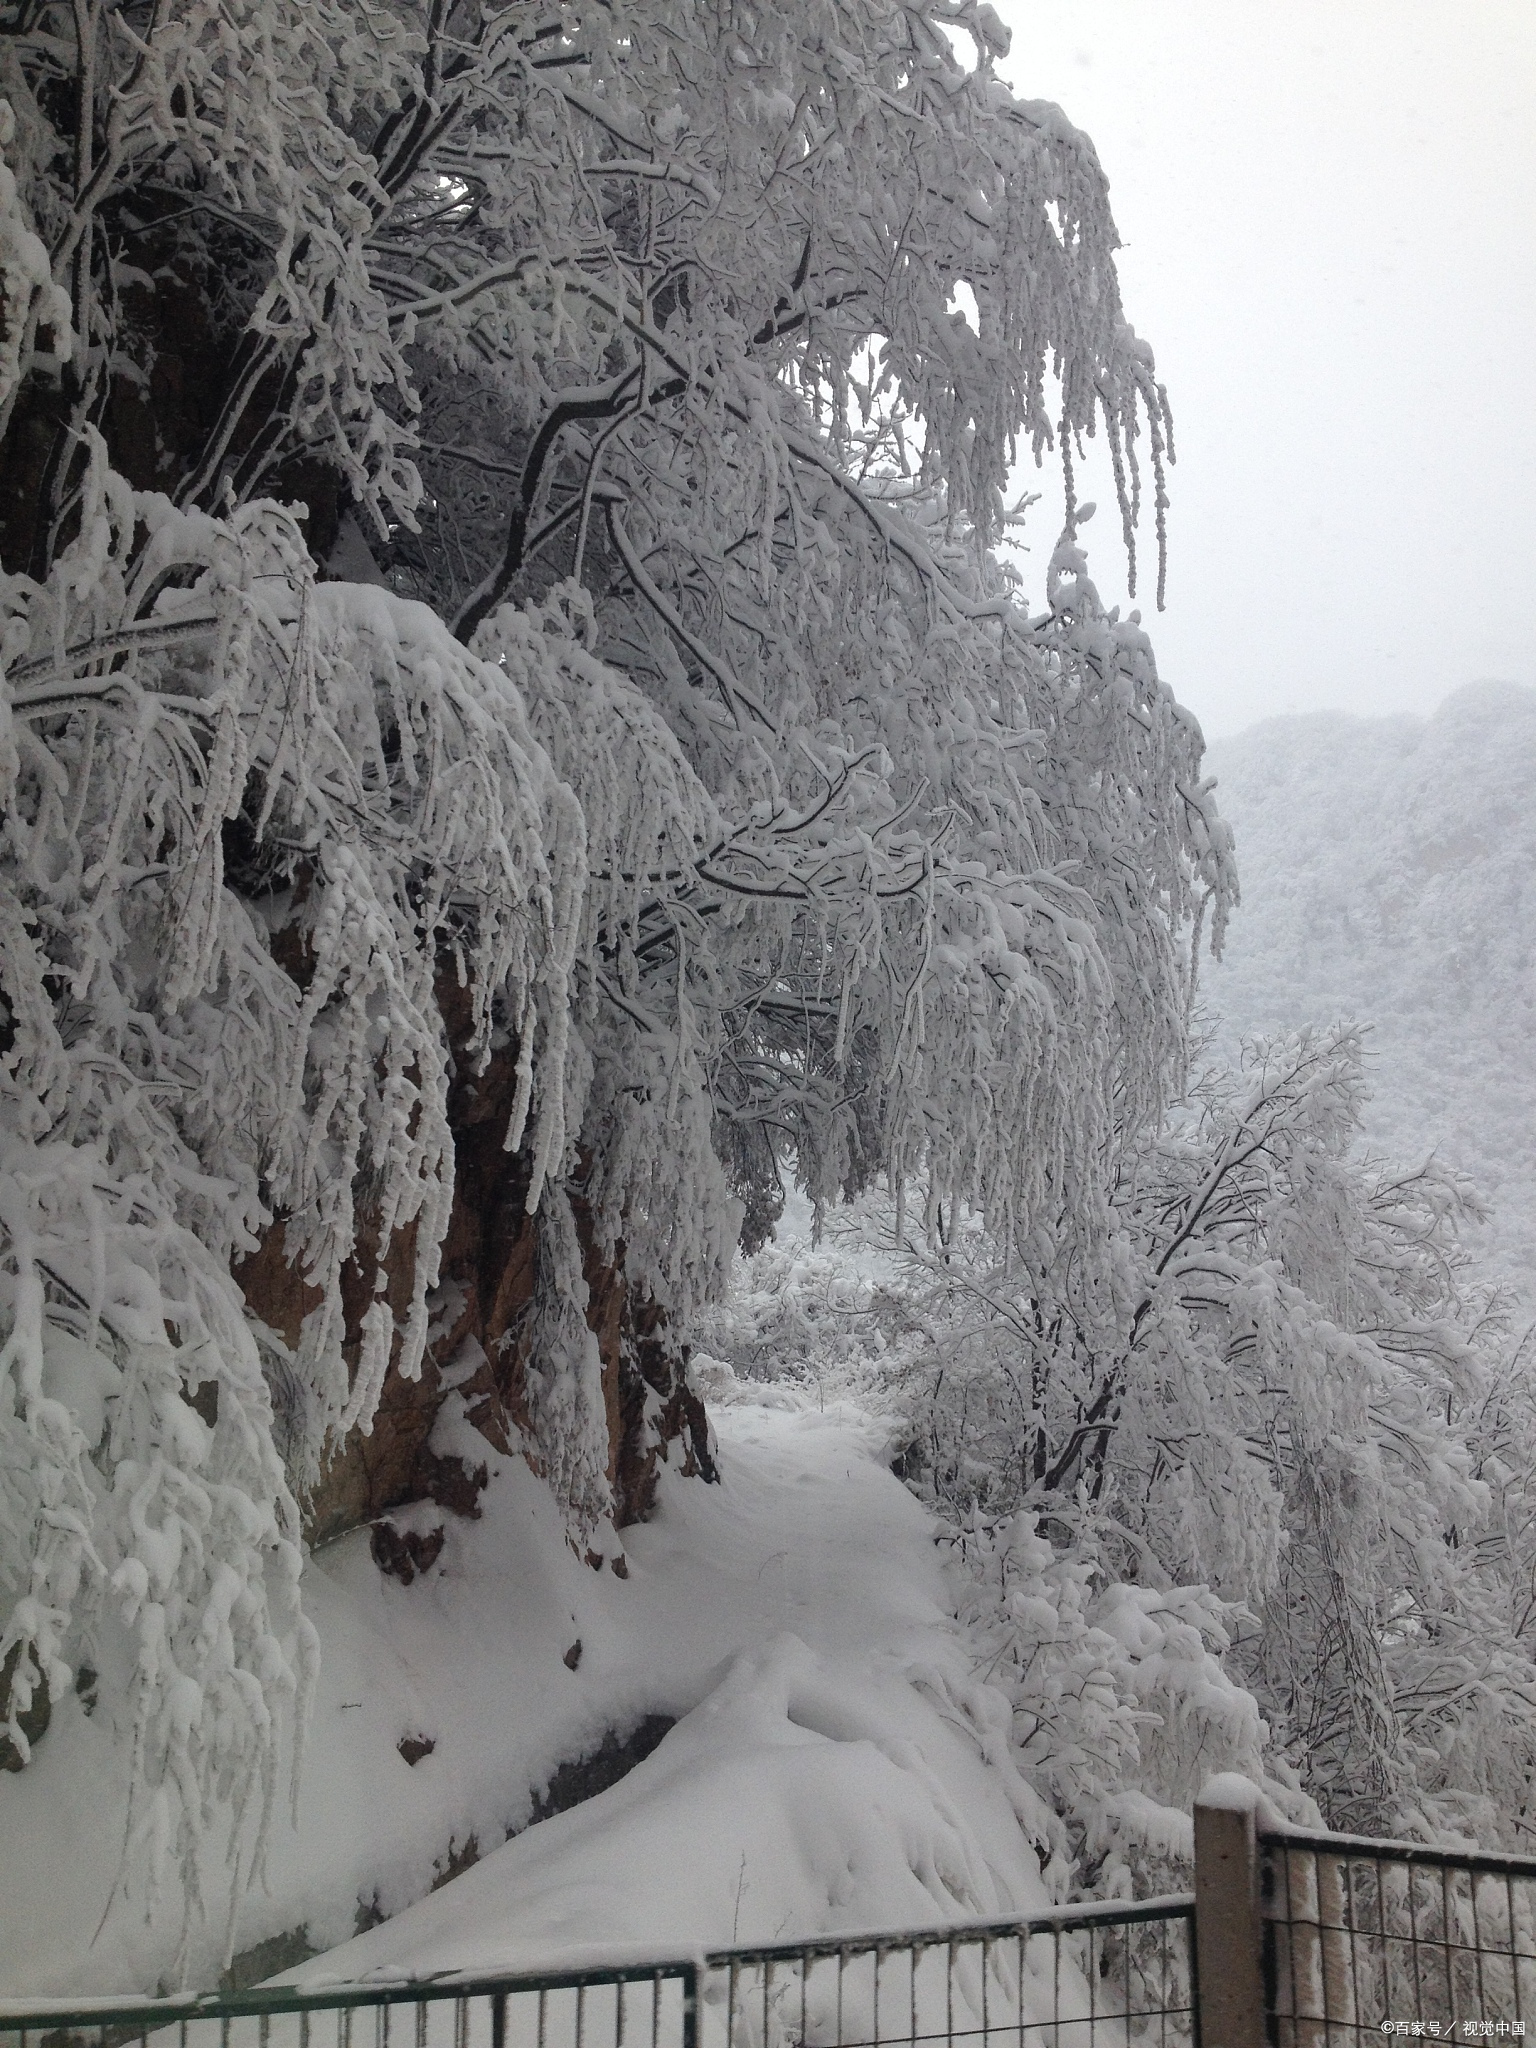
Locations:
(828, 1769)
(826, 1775)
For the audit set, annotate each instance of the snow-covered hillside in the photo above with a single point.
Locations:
(1389, 873)
(834, 1764)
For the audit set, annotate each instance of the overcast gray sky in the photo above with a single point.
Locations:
(1329, 211)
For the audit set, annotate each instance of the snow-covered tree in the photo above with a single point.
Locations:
(1289, 1393)
(644, 380)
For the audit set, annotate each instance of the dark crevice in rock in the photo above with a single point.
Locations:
(614, 1758)
(571, 1785)
(461, 1856)
(34, 1718)
(265, 1959)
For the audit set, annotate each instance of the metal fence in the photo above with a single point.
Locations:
(1289, 1940)
(1100, 1976)
(1372, 1938)
(1310, 1940)
(1115, 1976)
(654, 2005)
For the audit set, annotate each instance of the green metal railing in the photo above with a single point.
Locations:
(1299, 1940)
(1097, 1976)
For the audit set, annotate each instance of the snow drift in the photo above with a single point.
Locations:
(835, 1764)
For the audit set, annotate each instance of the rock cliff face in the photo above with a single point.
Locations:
(487, 1277)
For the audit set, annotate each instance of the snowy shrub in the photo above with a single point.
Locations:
(1287, 1392)
(1268, 1460)
(1121, 1704)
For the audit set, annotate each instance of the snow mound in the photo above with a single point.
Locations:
(805, 1793)
(834, 1765)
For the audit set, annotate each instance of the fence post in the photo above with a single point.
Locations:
(1229, 1932)
(691, 1974)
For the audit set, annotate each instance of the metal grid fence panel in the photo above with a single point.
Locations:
(1369, 1939)
(648, 2006)
(1112, 1976)
(1105, 1977)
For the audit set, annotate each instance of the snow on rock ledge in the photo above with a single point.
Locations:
(803, 1794)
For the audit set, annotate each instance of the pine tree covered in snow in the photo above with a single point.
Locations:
(680, 737)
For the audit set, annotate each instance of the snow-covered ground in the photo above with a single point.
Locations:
(834, 1764)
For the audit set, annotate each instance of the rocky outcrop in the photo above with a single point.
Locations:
(570, 1784)
(651, 1371)
(487, 1278)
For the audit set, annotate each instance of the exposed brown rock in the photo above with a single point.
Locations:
(651, 1361)
(404, 1553)
(276, 1291)
(606, 1303)
(266, 1958)
(614, 1758)
(453, 1484)
(487, 1268)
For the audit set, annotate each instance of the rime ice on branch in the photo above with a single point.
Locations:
(764, 828)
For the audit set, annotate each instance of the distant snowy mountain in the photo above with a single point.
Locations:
(1389, 873)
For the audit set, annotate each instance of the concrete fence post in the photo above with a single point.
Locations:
(1229, 1930)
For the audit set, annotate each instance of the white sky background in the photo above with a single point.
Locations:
(1329, 211)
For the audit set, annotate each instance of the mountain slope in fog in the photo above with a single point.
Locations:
(1389, 874)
